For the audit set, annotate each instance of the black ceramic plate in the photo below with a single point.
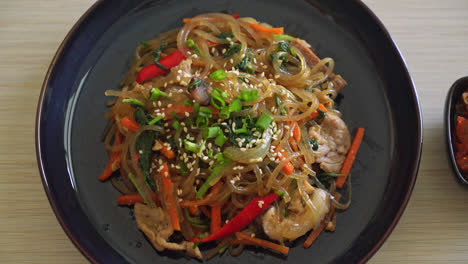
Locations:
(453, 98)
(95, 55)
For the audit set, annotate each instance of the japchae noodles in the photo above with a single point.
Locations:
(224, 134)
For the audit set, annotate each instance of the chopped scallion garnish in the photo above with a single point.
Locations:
(202, 122)
(224, 113)
(191, 44)
(218, 75)
(283, 37)
(155, 120)
(217, 98)
(211, 132)
(220, 139)
(190, 146)
(264, 121)
(249, 95)
(187, 102)
(156, 93)
(205, 112)
(133, 101)
(235, 105)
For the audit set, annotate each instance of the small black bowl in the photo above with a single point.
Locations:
(453, 97)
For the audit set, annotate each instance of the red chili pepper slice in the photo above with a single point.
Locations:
(152, 70)
(241, 220)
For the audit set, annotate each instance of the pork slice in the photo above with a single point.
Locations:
(334, 140)
(156, 225)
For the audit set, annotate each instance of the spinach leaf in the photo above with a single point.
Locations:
(233, 49)
(141, 117)
(245, 65)
(225, 35)
(144, 144)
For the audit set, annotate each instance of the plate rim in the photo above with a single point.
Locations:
(415, 98)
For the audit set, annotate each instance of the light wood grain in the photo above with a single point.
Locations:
(432, 35)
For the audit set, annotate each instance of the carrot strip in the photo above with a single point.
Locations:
(261, 28)
(131, 199)
(114, 159)
(166, 151)
(297, 131)
(288, 168)
(349, 160)
(317, 114)
(206, 200)
(193, 210)
(129, 123)
(169, 197)
(293, 144)
(316, 232)
(263, 243)
(205, 211)
(215, 219)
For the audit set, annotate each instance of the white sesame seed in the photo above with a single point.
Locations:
(165, 84)
(140, 151)
(260, 203)
(231, 61)
(213, 50)
(187, 114)
(178, 78)
(223, 51)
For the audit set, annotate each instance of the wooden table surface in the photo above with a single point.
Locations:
(431, 34)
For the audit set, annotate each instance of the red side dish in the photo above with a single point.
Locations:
(461, 131)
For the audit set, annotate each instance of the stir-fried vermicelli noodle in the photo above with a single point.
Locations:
(225, 133)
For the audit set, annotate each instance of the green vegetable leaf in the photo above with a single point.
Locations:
(192, 45)
(233, 49)
(314, 144)
(144, 145)
(157, 54)
(245, 65)
(141, 116)
(225, 35)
